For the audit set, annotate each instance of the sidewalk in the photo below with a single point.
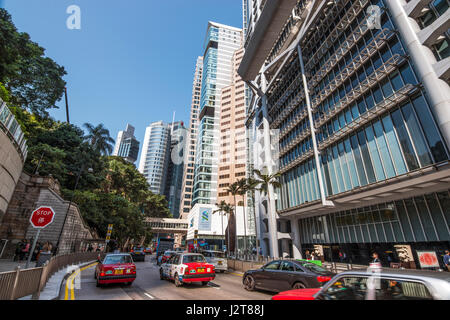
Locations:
(9, 265)
(51, 290)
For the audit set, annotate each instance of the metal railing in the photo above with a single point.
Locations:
(21, 283)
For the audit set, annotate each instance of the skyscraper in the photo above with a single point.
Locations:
(220, 44)
(359, 93)
(155, 156)
(126, 145)
(175, 167)
(191, 142)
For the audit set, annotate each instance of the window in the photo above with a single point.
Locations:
(287, 266)
(274, 265)
(356, 288)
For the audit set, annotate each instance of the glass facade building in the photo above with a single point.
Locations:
(155, 156)
(221, 42)
(377, 128)
(126, 145)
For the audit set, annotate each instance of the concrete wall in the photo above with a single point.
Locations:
(30, 193)
(11, 165)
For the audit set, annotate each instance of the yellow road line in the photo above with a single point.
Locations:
(236, 274)
(70, 283)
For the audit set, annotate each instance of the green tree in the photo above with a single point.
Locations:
(225, 210)
(34, 81)
(251, 186)
(234, 190)
(99, 138)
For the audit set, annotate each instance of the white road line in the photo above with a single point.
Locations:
(151, 297)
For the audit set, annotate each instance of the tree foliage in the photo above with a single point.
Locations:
(34, 81)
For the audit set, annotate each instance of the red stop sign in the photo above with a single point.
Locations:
(42, 217)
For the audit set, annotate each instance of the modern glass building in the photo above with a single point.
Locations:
(191, 142)
(126, 145)
(359, 90)
(220, 44)
(175, 167)
(155, 156)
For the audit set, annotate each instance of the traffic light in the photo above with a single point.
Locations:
(195, 234)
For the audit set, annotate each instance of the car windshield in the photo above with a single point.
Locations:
(194, 258)
(117, 259)
(168, 253)
(137, 249)
(314, 268)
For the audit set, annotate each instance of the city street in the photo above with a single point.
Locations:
(148, 286)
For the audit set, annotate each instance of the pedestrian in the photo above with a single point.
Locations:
(307, 255)
(18, 251)
(90, 248)
(375, 258)
(341, 256)
(447, 260)
(313, 255)
(25, 250)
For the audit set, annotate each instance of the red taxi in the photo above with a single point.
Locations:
(115, 268)
(187, 268)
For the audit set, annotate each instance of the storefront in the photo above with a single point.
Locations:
(401, 231)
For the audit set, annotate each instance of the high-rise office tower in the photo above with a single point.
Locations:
(175, 167)
(359, 91)
(220, 44)
(155, 156)
(126, 145)
(232, 155)
(191, 142)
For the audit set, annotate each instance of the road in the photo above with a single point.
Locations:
(148, 286)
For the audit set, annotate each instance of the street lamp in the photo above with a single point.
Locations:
(70, 204)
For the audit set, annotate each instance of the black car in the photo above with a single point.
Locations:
(282, 275)
(138, 254)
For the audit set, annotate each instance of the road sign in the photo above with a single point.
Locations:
(42, 217)
(108, 234)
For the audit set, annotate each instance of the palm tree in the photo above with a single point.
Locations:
(264, 182)
(251, 186)
(234, 189)
(224, 209)
(242, 183)
(99, 138)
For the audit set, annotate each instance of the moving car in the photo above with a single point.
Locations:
(115, 268)
(167, 255)
(281, 275)
(148, 250)
(187, 268)
(138, 254)
(384, 284)
(217, 259)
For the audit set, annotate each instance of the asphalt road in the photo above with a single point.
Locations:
(148, 286)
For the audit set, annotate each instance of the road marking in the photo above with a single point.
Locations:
(70, 281)
(148, 295)
(236, 274)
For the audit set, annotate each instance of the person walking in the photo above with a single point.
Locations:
(447, 260)
(18, 252)
(376, 260)
(307, 255)
(25, 250)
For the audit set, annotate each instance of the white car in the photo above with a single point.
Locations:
(187, 268)
(217, 259)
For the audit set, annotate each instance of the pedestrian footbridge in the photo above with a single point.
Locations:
(167, 225)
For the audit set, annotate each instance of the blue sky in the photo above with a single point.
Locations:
(132, 61)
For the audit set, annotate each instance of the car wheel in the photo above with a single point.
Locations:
(298, 285)
(161, 275)
(128, 283)
(205, 283)
(249, 283)
(177, 281)
(98, 284)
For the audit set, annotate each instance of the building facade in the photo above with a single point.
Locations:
(175, 167)
(220, 44)
(155, 156)
(191, 142)
(126, 145)
(13, 152)
(359, 94)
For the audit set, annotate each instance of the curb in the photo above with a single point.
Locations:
(68, 275)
